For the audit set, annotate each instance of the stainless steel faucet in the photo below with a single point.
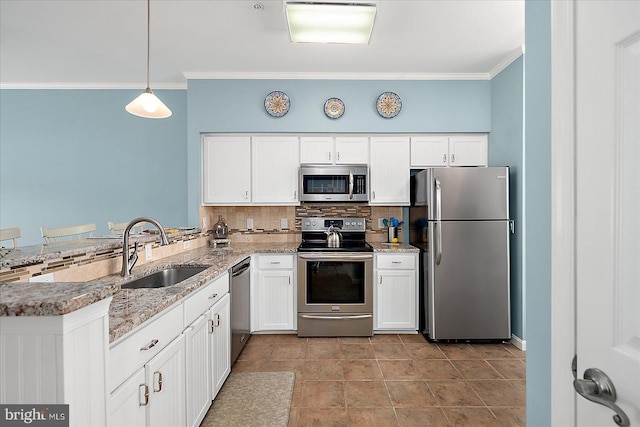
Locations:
(129, 261)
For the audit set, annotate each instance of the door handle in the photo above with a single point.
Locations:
(597, 387)
(438, 221)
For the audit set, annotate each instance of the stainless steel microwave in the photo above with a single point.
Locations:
(338, 183)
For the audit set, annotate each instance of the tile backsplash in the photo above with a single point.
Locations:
(267, 220)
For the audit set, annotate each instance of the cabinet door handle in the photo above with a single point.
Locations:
(275, 262)
(381, 280)
(295, 194)
(159, 381)
(453, 158)
(444, 158)
(329, 155)
(143, 394)
(289, 279)
(396, 262)
(152, 343)
(213, 296)
(338, 156)
(246, 195)
(374, 194)
(217, 320)
(212, 326)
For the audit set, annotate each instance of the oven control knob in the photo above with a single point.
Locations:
(359, 222)
(313, 223)
(306, 223)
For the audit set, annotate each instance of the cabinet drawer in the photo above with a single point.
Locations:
(143, 343)
(205, 297)
(405, 262)
(273, 262)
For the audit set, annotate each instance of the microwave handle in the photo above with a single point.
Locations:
(350, 184)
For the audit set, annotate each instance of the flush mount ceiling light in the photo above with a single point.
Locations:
(147, 104)
(330, 22)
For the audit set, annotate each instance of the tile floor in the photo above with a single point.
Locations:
(394, 380)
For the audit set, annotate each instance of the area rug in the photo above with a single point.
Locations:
(252, 399)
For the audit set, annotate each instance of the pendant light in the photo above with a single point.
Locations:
(147, 104)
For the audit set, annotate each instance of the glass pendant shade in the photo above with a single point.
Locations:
(149, 106)
(330, 23)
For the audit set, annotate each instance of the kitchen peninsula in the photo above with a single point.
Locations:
(77, 329)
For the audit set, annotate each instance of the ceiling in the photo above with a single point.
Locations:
(102, 43)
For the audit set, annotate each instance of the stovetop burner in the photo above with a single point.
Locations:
(314, 237)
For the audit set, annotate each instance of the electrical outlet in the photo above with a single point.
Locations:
(187, 244)
(249, 223)
(284, 224)
(380, 223)
(42, 278)
(148, 252)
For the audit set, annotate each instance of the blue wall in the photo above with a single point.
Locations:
(506, 148)
(238, 106)
(76, 156)
(537, 186)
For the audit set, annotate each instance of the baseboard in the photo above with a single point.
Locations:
(521, 344)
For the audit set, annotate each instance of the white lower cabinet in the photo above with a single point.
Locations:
(165, 374)
(396, 292)
(275, 304)
(198, 385)
(220, 343)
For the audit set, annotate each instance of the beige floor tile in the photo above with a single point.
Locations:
(386, 338)
(415, 394)
(322, 394)
(454, 393)
(354, 340)
(424, 351)
(510, 368)
(476, 369)
(421, 417)
(390, 351)
(322, 417)
(516, 351)
(492, 351)
(357, 369)
(322, 370)
(412, 338)
(366, 394)
(255, 352)
(398, 370)
(436, 369)
(466, 416)
(511, 417)
(326, 350)
(372, 417)
(459, 351)
(498, 392)
(283, 351)
(289, 365)
(356, 351)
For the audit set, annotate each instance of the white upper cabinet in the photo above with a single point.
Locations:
(334, 150)
(275, 170)
(448, 150)
(389, 170)
(468, 150)
(226, 170)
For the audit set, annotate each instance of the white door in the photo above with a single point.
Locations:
(608, 202)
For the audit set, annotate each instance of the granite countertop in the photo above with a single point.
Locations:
(131, 307)
(28, 255)
(393, 247)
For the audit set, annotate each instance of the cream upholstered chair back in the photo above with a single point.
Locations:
(118, 227)
(51, 235)
(10, 234)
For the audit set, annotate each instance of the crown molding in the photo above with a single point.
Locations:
(334, 76)
(70, 85)
(512, 56)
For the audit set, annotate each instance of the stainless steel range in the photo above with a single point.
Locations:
(335, 278)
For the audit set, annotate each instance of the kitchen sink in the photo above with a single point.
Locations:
(167, 277)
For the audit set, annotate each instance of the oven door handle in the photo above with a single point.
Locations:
(313, 316)
(334, 257)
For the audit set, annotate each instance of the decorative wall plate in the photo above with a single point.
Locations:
(334, 108)
(277, 104)
(389, 105)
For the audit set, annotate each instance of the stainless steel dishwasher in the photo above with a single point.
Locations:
(240, 310)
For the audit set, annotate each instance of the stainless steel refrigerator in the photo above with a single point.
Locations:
(460, 218)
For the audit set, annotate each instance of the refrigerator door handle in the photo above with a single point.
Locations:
(438, 221)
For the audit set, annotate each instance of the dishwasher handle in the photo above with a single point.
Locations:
(240, 270)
